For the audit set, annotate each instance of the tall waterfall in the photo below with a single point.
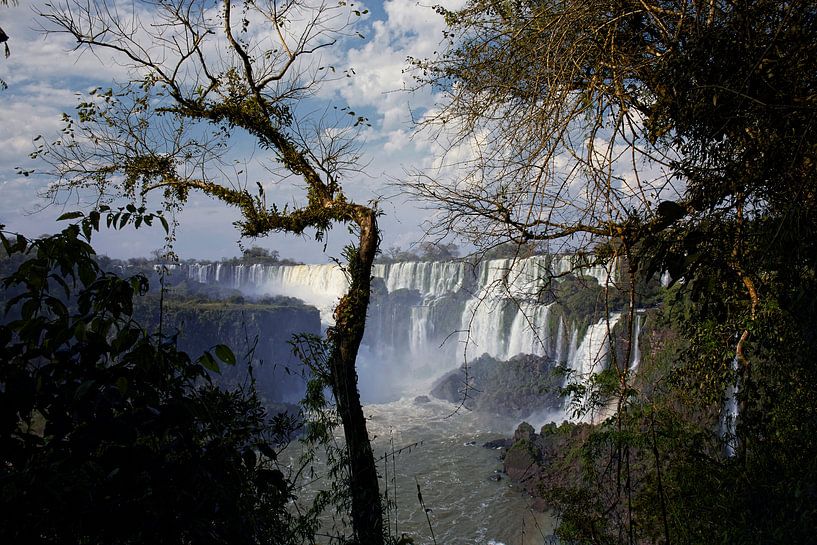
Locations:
(729, 413)
(429, 317)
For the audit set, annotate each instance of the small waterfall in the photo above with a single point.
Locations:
(593, 353)
(482, 319)
(529, 331)
(635, 356)
(729, 414)
(574, 346)
(560, 355)
(591, 357)
(420, 329)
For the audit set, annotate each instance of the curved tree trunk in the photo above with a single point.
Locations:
(258, 94)
(346, 335)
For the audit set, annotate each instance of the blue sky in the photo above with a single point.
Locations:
(45, 78)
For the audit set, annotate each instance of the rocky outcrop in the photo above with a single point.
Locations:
(516, 388)
(544, 461)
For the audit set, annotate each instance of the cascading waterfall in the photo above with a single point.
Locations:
(590, 357)
(593, 352)
(420, 323)
(729, 414)
(559, 353)
(635, 357)
(428, 317)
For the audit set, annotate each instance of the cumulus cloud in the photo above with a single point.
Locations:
(408, 29)
(46, 76)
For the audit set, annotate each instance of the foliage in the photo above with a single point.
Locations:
(113, 436)
(680, 135)
(425, 251)
(201, 74)
(257, 255)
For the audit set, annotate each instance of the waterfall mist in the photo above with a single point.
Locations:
(429, 318)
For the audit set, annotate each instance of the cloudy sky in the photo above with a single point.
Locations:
(45, 78)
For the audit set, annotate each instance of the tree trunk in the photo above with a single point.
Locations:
(346, 335)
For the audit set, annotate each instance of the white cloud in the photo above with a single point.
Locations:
(44, 77)
(381, 82)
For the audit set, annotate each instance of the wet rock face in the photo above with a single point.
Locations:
(503, 443)
(524, 432)
(521, 463)
(259, 335)
(516, 388)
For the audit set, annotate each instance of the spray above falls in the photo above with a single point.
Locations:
(429, 317)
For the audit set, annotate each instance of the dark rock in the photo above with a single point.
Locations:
(499, 443)
(419, 400)
(524, 432)
(496, 477)
(450, 387)
(542, 462)
(517, 387)
(521, 462)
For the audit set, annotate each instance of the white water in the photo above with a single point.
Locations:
(450, 312)
(454, 472)
(437, 315)
(729, 414)
(591, 357)
(635, 357)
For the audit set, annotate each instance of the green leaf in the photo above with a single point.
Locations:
(79, 330)
(93, 217)
(207, 361)
(70, 216)
(225, 354)
(83, 389)
(122, 385)
(164, 224)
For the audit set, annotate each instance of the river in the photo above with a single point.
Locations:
(456, 475)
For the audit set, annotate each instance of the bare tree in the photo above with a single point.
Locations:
(674, 133)
(542, 123)
(543, 139)
(201, 73)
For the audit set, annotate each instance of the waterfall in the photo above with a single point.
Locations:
(635, 357)
(420, 332)
(430, 317)
(591, 357)
(593, 353)
(559, 354)
(431, 278)
(729, 414)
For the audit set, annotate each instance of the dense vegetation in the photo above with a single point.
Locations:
(113, 435)
(714, 103)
